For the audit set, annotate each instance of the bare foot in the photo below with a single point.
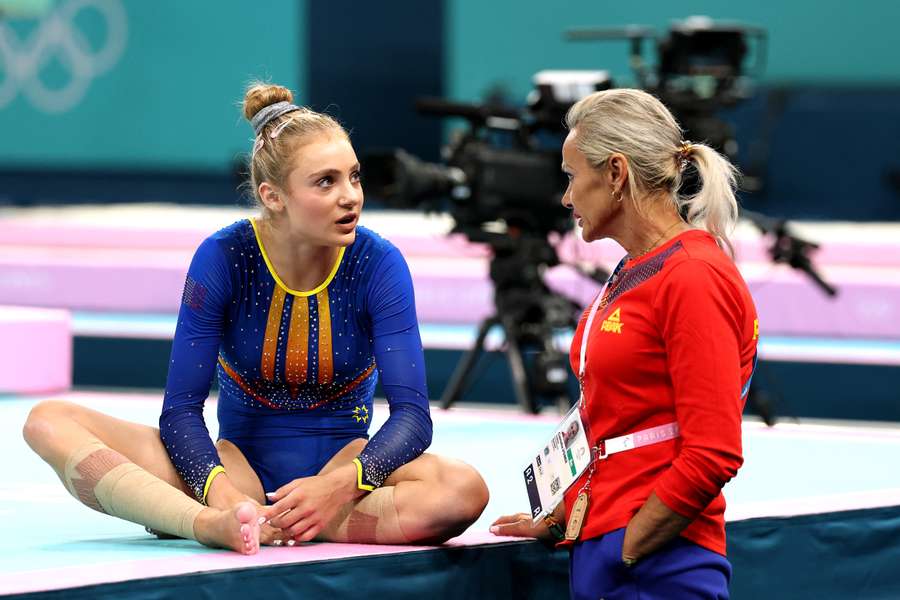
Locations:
(236, 529)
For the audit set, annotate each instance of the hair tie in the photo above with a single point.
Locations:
(267, 114)
(683, 154)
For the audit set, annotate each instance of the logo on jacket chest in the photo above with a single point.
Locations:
(613, 323)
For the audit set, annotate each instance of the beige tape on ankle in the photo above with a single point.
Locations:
(106, 481)
(371, 520)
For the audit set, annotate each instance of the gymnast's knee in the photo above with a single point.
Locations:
(40, 426)
(466, 493)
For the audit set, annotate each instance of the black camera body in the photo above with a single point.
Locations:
(505, 168)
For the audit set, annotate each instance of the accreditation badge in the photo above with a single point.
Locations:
(557, 465)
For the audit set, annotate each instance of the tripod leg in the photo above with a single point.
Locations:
(456, 385)
(524, 394)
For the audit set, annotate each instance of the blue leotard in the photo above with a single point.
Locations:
(297, 370)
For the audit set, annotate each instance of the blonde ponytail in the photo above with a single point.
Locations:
(714, 207)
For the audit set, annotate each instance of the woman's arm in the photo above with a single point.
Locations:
(192, 366)
(654, 525)
(522, 525)
(701, 320)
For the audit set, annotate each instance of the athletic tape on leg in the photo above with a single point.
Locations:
(371, 520)
(108, 482)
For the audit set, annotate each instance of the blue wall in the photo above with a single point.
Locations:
(167, 96)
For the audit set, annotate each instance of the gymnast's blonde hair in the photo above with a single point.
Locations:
(280, 138)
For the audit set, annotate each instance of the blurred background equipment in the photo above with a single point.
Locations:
(701, 68)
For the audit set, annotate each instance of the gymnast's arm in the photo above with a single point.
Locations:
(401, 365)
(192, 366)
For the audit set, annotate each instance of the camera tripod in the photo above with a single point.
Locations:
(529, 313)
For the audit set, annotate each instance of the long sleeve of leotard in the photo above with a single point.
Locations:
(192, 367)
(401, 365)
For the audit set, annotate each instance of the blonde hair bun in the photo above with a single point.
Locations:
(260, 95)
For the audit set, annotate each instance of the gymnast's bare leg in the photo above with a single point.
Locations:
(122, 469)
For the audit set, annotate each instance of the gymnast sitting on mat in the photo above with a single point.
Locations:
(297, 372)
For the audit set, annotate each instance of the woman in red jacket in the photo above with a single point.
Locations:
(664, 356)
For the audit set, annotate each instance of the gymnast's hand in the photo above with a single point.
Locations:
(303, 507)
(268, 535)
(224, 495)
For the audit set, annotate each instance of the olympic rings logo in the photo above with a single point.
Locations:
(57, 38)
